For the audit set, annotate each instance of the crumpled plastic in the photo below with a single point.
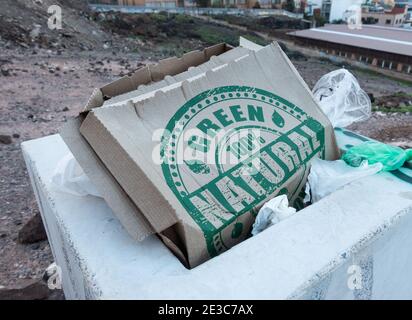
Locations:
(272, 213)
(391, 157)
(341, 98)
(326, 177)
(69, 177)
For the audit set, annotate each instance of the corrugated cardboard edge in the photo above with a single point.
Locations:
(221, 59)
(172, 238)
(329, 130)
(125, 210)
(157, 211)
(123, 207)
(245, 43)
(155, 72)
(255, 47)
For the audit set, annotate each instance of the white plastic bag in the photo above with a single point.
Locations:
(69, 177)
(341, 98)
(326, 177)
(271, 213)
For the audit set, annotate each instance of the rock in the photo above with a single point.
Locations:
(25, 289)
(16, 135)
(101, 16)
(5, 72)
(32, 117)
(24, 45)
(65, 109)
(35, 246)
(56, 295)
(35, 32)
(5, 139)
(33, 231)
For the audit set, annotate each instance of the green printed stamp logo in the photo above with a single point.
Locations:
(230, 148)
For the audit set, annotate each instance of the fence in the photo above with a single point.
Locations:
(195, 11)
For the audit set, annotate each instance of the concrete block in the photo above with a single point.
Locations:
(354, 244)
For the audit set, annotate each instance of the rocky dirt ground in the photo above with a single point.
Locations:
(39, 93)
(46, 77)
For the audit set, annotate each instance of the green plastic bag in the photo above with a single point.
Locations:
(391, 157)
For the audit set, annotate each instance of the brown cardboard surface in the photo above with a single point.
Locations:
(137, 184)
(153, 73)
(126, 211)
(122, 137)
(169, 79)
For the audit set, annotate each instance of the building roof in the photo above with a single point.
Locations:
(398, 10)
(385, 39)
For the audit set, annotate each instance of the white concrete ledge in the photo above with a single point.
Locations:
(366, 225)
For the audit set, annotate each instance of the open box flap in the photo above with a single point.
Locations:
(152, 73)
(126, 211)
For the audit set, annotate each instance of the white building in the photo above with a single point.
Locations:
(334, 10)
(311, 5)
(393, 18)
(409, 4)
